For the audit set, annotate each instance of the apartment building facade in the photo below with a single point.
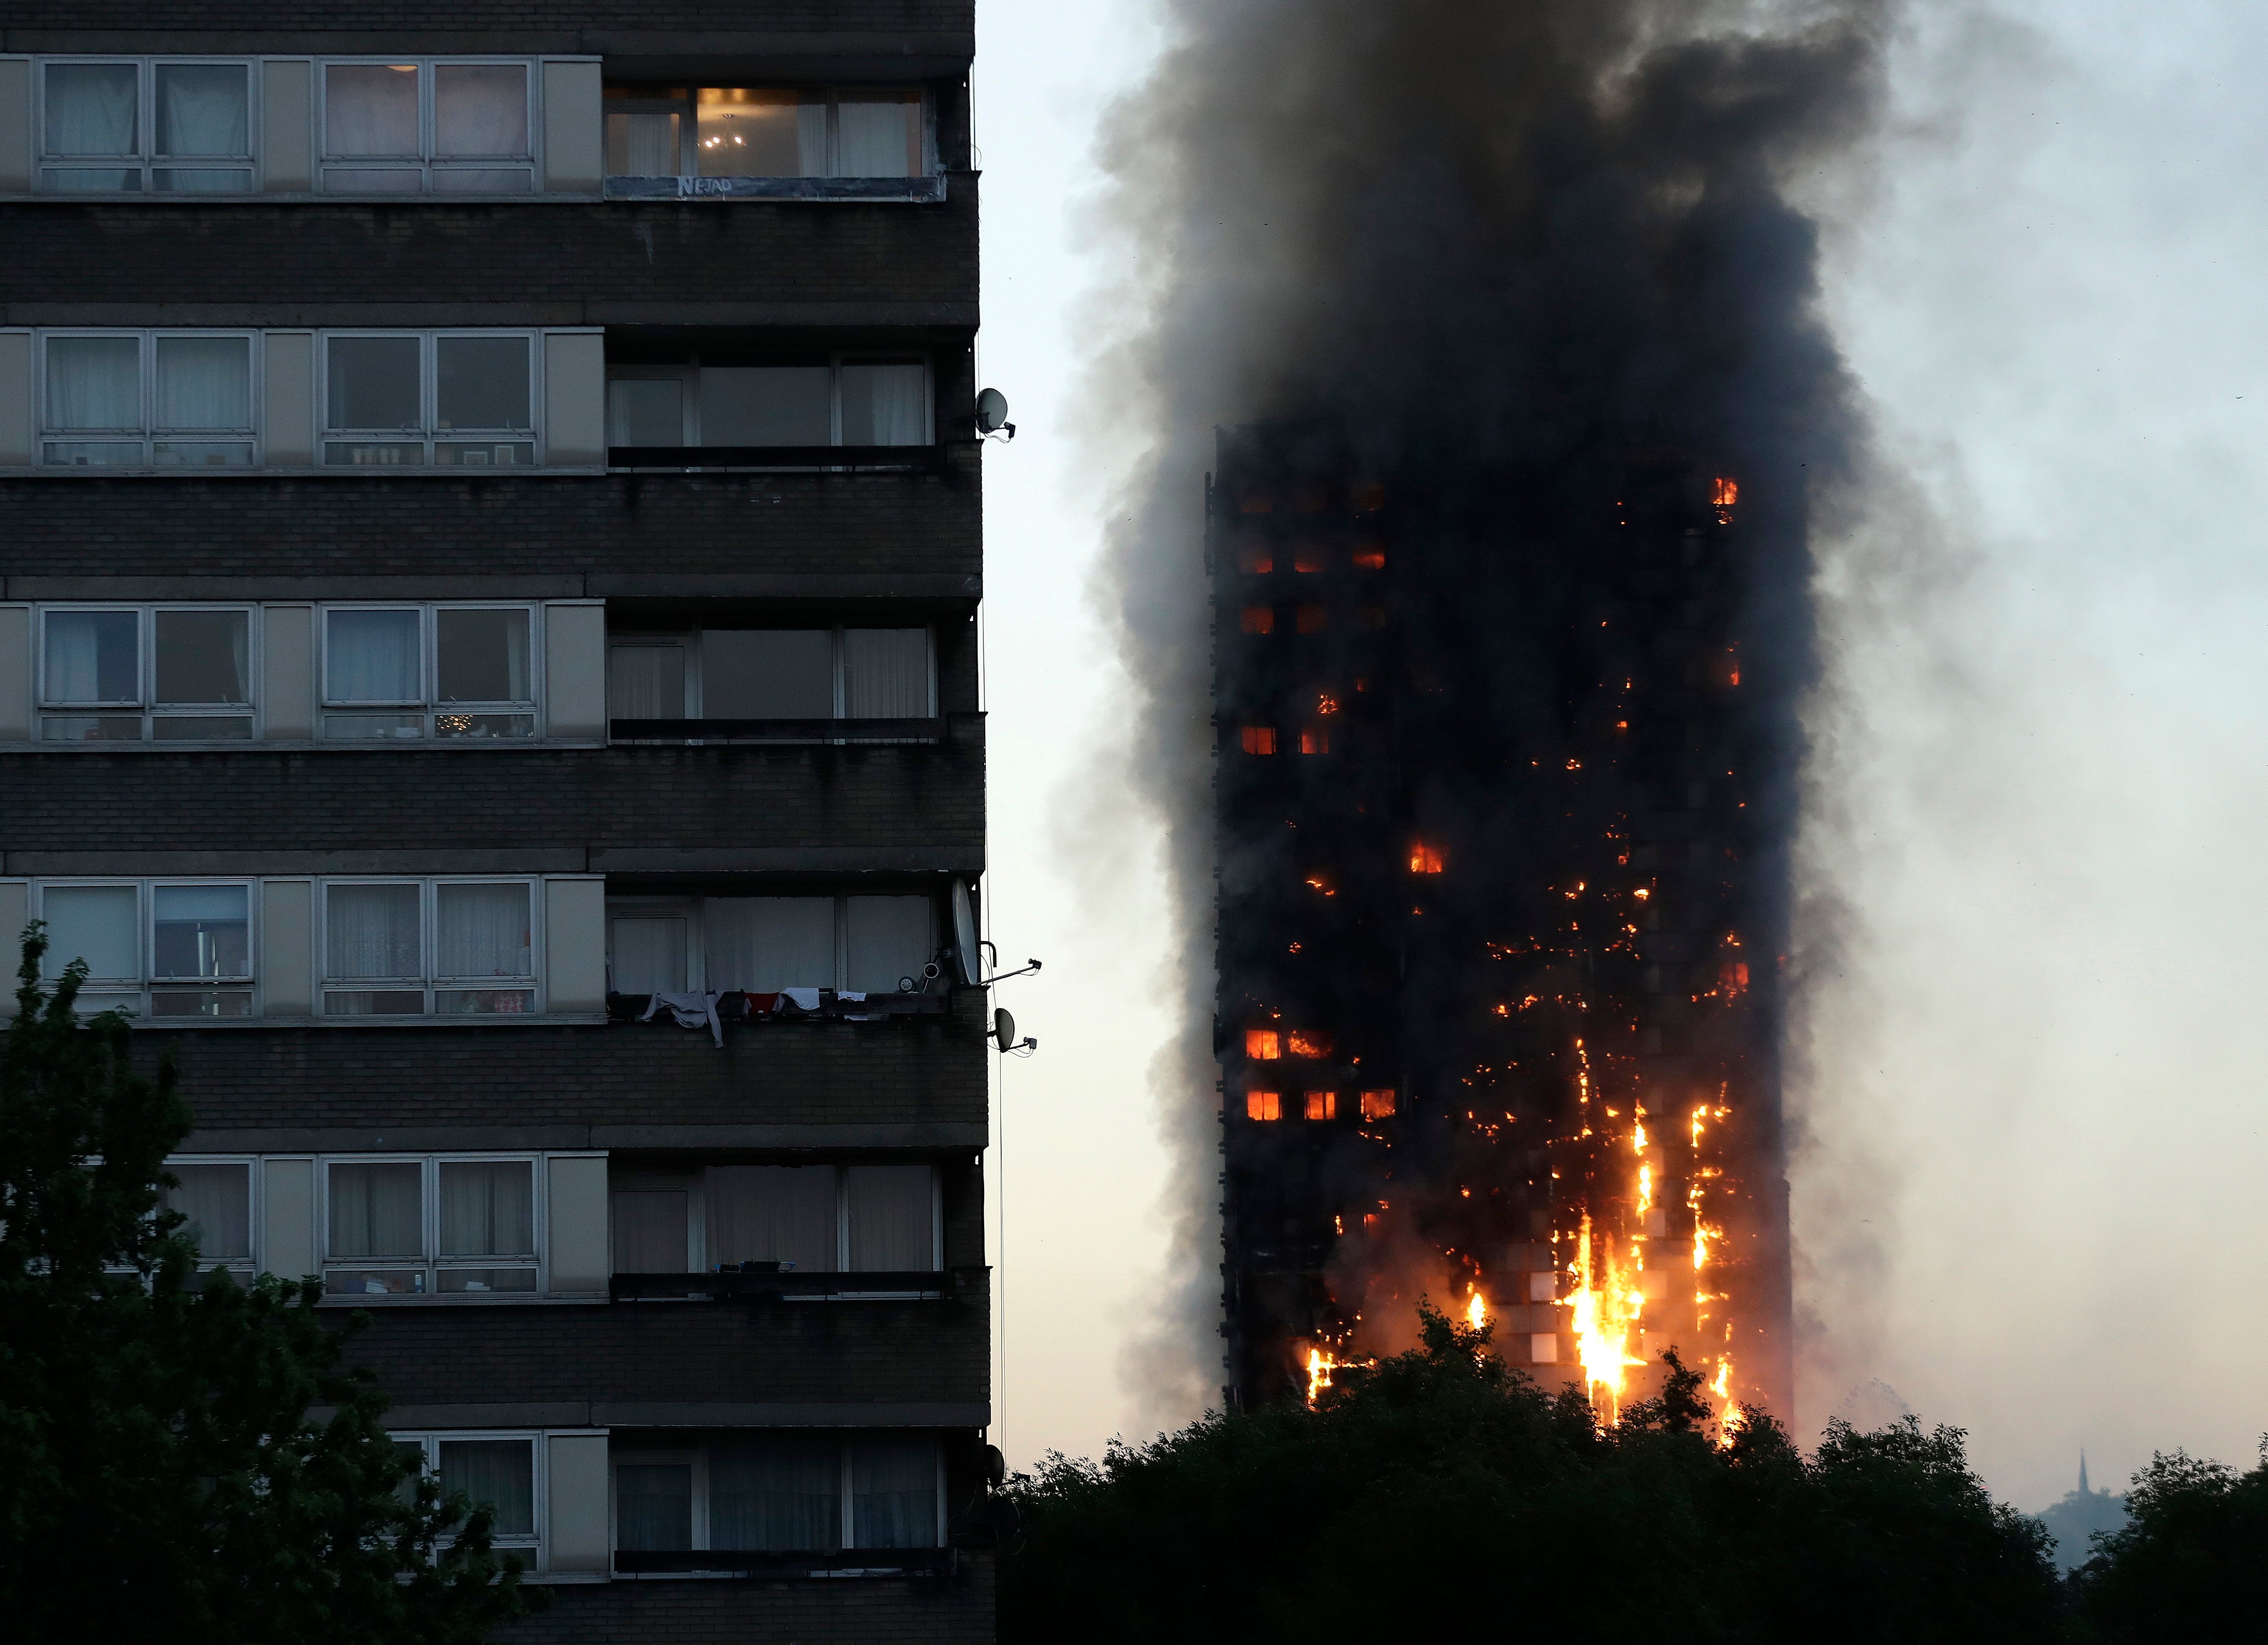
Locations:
(489, 552)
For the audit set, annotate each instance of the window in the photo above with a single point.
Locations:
(412, 672)
(138, 127)
(1263, 1105)
(1256, 739)
(399, 400)
(1378, 1104)
(116, 674)
(845, 402)
(139, 399)
(451, 948)
(804, 1493)
(1258, 619)
(805, 1218)
(1322, 1104)
(214, 1198)
(153, 949)
(1262, 1045)
(428, 1227)
(424, 127)
(773, 674)
(758, 131)
(767, 944)
(497, 1471)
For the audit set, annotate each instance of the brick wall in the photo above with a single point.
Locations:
(948, 1611)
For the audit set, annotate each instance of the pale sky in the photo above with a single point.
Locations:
(2030, 1204)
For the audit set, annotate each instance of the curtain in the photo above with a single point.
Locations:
(893, 1493)
(772, 1213)
(372, 657)
(94, 657)
(645, 682)
(218, 1201)
(99, 923)
(642, 144)
(892, 1216)
(201, 109)
(481, 383)
(767, 674)
(370, 933)
(375, 1210)
(481, 656)
(488, 1208)
(886, 673)
(203, 657)
(780, 1491)
(483, 931)
(884, 404)
(204, 383)
(90, 108)
(646, 411)
(201, 931)
(650, 1231)
(653, 1507)
(648, 955)
(811, 137)
(479, 109)
(94, 383)
(877, 138)
(369, 109)
(887, 938)
(767, 943)
(500, 1472)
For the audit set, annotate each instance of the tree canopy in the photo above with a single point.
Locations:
(2191, 1561)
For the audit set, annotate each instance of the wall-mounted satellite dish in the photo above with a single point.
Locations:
(992, 414)
(1004, 1030)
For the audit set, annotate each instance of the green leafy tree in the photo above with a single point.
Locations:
(1441, 1491)
(2191, 1561)
(160, 1468)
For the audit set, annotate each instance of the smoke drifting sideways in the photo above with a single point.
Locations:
(1480, 238)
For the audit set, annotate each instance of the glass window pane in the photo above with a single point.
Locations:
(201, 109)
(201, 179)
(204, 383)
(483, 931)
(203, 657)
(886, 673)
(782, 1214)
(642, 144)
(767, 674)
(893, 1492)
(373, 383)
(488, 1208)
(481, 382)
(369, 109)
(370, 657)
(479, 109)
(482, 656)
(886, 940)
(499, 1472)
(96, 923)
(94, 657)
(91, 107)
(766, 405)
(645, 682)
(376, 1210)
(646, 411)
(94, 382)
(879, 134)
(747, 131)
(885, 404)
(648, 955)
(90, 180)
(775, 1491)
(651, 1230)
(763, 944)
(201, 931)
(893, 1219)
(653, 1507)
(216, 1200)
(371, 931)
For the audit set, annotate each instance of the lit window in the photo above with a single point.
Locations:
(412, 672)
(1310, 1043)
(136, 674)
(1322, 1104)
(1262, 1045)
(1315, 740)
(1259, 619)
(767, 131)
(1257, 739)
(98, 136)
(1425, 859)
(1378, 1104)
(139, 400)
(426, 128)
(414, 947)
(1263, 1105)
(407, 400)
(1312, 619)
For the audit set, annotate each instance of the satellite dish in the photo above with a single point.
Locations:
(1004, 1030)
(967, 957)
(992, 413)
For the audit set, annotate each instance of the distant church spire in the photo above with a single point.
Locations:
(2082, 1470)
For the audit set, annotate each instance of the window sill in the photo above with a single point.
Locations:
(929, 190)
(501, 1018)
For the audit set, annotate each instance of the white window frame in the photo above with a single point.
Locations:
(689, 643)
(430, 437)
(690, 376)
(534, 1543)
(146, 158)
(140, 993)
(430, 1264)
(693, 1182)
(255, 1205)
(430, 983)
(149, 435)
(431, 707)
(146, 705)
(427, 162)
(688, 108)
(697, 1451)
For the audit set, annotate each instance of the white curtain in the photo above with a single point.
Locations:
(653, 1507)
(90, 108)
(651, 1229)
(201, 931)
(99, 924)
(488, 1208)
(885, 404)
(811, 137)
(481, 656)
(201, 109)
(642, 144)
(218, 1201)
(886, 673)
(370, 933)
(94, 657)
(372, 657)
(649, 955)
(645, 682)
(781, 1492)
(646, 411)
(499, 1472)
(480, 110)
(483, 931)
(375, 1210)
(886, 939)
(764, 944)
(204, 383)
(892, 1211)
(369, 109)
(203, 657)
(772, 1213)
(94, 383)
(876, 137)
(893, 1493)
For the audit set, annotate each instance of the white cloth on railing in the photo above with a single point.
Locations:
(805, 999)
(691, 1011)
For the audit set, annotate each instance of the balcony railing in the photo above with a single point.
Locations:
(776, 731)
(847, 1562)
(859, 458)
(748, 1285)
